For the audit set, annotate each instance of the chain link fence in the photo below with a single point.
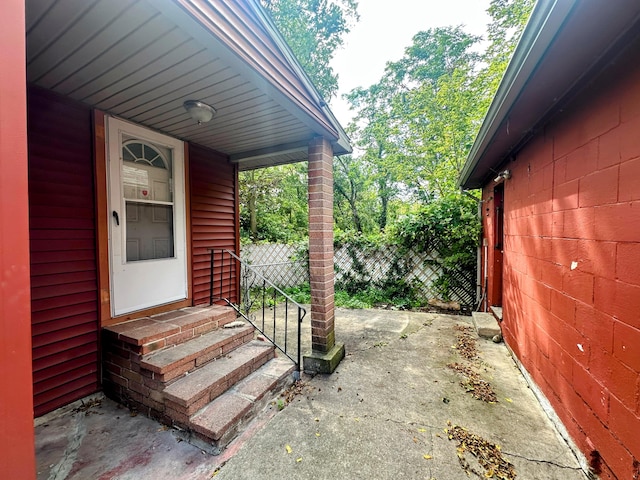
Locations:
(422, 272)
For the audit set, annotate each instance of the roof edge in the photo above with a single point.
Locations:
(544, 23)
(343, 142)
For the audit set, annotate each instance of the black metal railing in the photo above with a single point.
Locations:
(261, 303)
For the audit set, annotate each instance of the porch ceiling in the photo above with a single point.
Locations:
(141, 59)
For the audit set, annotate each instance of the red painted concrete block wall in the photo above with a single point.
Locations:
(571, 290)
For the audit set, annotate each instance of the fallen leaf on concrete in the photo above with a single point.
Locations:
(427, 457)
(299, 459)
(466, 343)
(288, 448)
(474, 384)
(296, 388)
(487, 454)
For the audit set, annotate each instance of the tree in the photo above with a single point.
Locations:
(273, 201)
(438, 108)
(315, 29)
(415, 126)
(508, 19)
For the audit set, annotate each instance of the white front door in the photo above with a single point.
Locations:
(147, 222)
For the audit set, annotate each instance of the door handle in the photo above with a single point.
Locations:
(115, 215)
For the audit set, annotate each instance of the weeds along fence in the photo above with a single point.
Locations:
(419, 276)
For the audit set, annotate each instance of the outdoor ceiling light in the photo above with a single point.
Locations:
(199, 111)
(506, 175)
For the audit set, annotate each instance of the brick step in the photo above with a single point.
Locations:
(173, 362)
(190, 393)
(219, 422)
(148, 334)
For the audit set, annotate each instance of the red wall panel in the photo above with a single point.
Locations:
(214, 210)
(63, 251)
(571, 292)
(17, 452)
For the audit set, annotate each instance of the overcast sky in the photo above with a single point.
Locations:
(385, 29)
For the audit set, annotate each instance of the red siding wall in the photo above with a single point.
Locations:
(63, 251)
(214, 208)
(572, 267)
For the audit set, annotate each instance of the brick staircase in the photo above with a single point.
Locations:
(196, 368)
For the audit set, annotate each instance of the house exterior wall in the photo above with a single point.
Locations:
(17, 459)
(214, 216)
(571, 290)
(64, 289)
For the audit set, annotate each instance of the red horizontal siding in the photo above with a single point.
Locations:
(64, 296)
(80, 386)
(213, 218)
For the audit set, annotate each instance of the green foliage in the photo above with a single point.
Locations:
(413, 130)
(451, 227)
(508, 19)
(300, 293)
(315, 29)
(414, 127)
(273, 201)
(273, 204)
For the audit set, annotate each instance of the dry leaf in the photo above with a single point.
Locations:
(299, 459)
(288, 448)
(427, 457)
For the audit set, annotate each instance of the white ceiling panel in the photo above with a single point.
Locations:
(135, 59)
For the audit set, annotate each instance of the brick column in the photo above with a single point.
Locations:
(326, 354)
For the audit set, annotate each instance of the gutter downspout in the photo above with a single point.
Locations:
(479, 290)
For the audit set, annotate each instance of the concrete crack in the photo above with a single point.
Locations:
(549, 462)
(75, 437)
(402, 423)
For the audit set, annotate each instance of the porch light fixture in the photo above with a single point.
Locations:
(506, 175)
(199, 111)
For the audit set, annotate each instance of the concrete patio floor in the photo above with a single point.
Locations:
(381, 415)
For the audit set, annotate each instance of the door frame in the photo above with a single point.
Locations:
(102, 228)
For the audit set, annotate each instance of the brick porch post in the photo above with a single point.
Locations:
(325, 354)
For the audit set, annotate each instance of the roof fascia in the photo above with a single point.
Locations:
(343, 142)
(546, 20)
